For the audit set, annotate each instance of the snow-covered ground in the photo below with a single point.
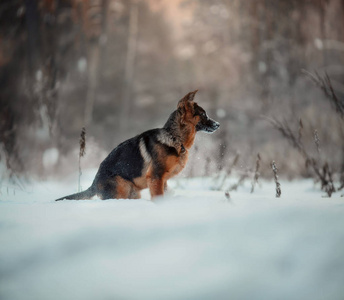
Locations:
(193, 244)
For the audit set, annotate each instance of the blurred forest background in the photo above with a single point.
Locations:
(118, 67)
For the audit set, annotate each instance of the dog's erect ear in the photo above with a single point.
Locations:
(183, 103)
(190, 96)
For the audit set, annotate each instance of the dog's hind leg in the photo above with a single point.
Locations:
(125, 189)
(118, 188)
(135, 193)
(111, 188)
(107, 189)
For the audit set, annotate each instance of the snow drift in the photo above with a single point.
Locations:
(194, 244)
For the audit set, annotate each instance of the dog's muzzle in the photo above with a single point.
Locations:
(215, 125)
(208, 126)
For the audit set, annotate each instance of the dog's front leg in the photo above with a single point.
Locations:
(156, 186)
(155, 182)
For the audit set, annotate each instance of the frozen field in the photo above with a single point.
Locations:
(193, 244)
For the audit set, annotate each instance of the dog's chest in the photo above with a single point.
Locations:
(183, 157)
(168, 168)
(176, 164)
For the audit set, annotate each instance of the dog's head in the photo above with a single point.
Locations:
(196, 115)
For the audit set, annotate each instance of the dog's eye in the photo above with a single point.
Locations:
(203, 114)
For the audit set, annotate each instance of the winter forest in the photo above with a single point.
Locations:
(119, 67)
(78, 77)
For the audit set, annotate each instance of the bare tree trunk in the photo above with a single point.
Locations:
(129, 64)
(341, 26)
(96, 46)
(104, 34)
(32, 25)
(322, 15)
(93, 59)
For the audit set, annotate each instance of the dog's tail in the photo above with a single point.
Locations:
(87, 194)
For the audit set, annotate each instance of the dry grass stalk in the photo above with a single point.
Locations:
(325, 84)
(82, 142)
(221, 180)
(82, 152)
(234, 162)
(328, 185)
(286, 132)
(341, 182)
(207, 166)
(300, 131)
(235, 186)
(228, 195)
(317, 140)
(256, 173)
(278, 185)
(323, 174)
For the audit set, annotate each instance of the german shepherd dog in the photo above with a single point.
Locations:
(150, 158)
